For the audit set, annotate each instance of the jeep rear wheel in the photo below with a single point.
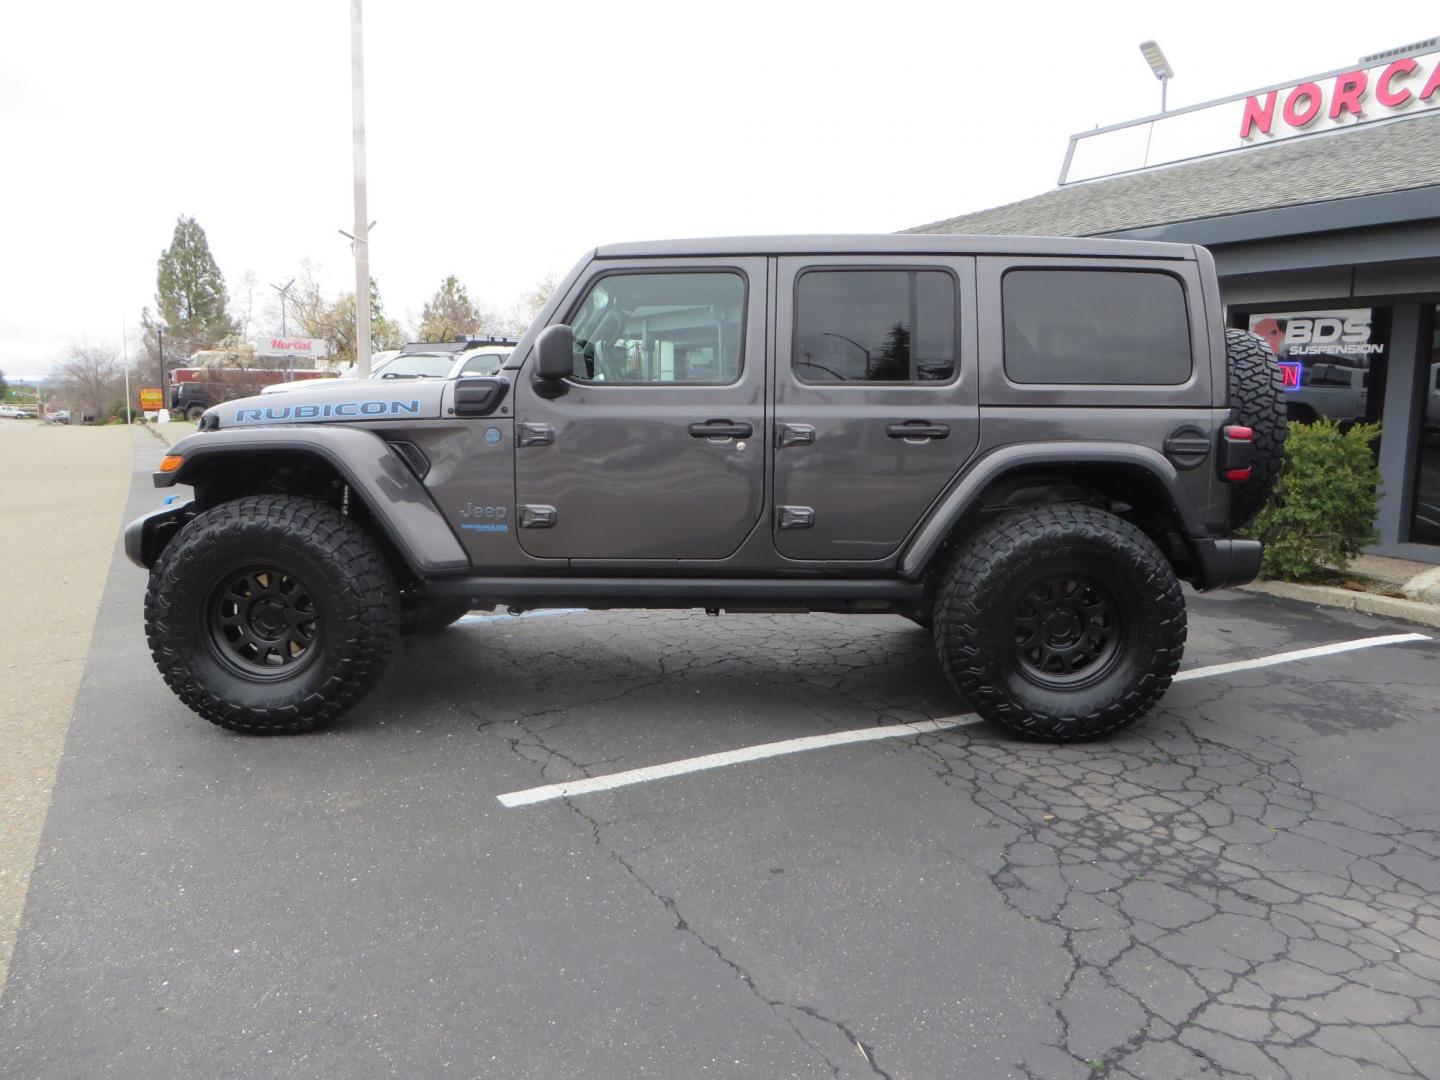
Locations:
(1257, 394)
(1060, 622)
(271, 614)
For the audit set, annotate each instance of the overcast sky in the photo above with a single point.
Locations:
(507, 139)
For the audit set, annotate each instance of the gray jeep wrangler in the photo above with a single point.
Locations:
(1023, 445)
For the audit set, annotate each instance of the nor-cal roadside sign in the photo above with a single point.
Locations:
(291, 346)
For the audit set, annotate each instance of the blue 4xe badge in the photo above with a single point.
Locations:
(318, 412)
(492, 435)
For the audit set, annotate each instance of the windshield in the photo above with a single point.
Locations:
(419, 365)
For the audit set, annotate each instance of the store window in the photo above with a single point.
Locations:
(1425, 524)
(1333, 361)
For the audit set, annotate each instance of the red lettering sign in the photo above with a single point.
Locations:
(1432, 84)
(1298, 115)
(1349, 89)
(1257, 115)
(1384, 93)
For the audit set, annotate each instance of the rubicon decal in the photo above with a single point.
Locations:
(345, 410)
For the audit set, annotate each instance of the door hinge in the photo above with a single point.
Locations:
(538, 517)
(794, 517)
(534, 434)
(794, 435)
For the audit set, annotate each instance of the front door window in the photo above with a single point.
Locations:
(661, 328)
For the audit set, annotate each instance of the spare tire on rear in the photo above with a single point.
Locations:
(1257, 398)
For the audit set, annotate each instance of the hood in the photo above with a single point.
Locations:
(341, 402)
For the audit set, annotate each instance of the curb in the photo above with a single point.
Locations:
(1387, 607)
(158, 430)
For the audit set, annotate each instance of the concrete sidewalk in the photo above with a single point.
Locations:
(65, 488)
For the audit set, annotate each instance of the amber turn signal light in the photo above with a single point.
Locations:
(171, 462)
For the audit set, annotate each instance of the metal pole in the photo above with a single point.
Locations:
(362, 228)
(125, 360)
(160, 350)
(1164, 86)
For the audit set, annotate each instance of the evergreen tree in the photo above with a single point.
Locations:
(190, 290)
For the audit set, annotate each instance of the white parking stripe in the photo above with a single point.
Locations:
(728, 757)
(1298, 654)
(540, 614)
(590, 785)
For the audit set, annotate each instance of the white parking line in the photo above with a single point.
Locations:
(1298, 654)
(590, 785)
(542, 613)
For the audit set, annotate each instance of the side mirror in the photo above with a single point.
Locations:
(555, 352)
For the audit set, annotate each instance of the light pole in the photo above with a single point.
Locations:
(159, 325)
(362, 227)
(1159, 65)
(284, 291)
(852, 341)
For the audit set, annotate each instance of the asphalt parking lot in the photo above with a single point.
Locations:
(1244, 885)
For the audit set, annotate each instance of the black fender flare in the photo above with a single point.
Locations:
(927, 538)
(400, 502)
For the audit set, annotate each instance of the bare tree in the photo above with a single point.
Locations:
(91, 379)
(242, 306)
(522, 313)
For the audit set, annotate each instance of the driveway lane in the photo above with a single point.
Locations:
(1225, 881)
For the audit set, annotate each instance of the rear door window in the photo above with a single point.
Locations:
(1106, 327)
(892, 326)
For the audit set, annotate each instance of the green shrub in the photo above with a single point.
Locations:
(1323, 509)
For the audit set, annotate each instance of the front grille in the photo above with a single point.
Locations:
(413, 457)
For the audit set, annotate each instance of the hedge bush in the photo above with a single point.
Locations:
(1323, 509)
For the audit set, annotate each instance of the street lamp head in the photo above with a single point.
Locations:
(1156, 59)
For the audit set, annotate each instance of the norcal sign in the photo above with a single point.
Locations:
(291, 346)
(1399, 83)
(1351, 97)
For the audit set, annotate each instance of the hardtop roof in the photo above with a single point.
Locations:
(897, 244)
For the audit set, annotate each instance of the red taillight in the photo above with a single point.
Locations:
(1238, 476)
(1239, 433)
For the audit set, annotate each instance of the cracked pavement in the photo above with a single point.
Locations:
(1245, 885)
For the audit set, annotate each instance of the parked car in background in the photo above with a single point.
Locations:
(59, 416)
(424, 360)
(195, 388)
(14, 412)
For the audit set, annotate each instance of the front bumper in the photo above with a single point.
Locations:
(147, 536)
(1225, 562)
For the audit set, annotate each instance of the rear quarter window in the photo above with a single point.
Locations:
(1106, 327)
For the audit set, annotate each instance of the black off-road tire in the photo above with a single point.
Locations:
(1257, 393)
(194, 412)
(430, 618)
(233, 557)
(986, 607)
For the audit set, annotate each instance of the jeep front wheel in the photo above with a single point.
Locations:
(1061, 622)
(271, 614)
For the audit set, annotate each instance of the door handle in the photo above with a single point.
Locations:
(917, 429)
(721, 429)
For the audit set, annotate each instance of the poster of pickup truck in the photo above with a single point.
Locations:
(1326, 358)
